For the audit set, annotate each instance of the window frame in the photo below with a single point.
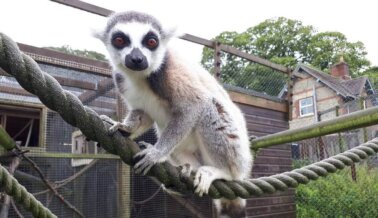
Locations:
(6, 104)
(306, 106)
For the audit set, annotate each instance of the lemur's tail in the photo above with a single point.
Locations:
(231, 208)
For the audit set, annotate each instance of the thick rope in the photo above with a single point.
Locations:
(22, 196)
(29, 75)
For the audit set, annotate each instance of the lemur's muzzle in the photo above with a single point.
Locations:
(136, 60)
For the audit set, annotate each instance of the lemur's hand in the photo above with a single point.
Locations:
(146, 158)
(116, 126)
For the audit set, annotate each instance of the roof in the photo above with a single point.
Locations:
(351, 88)
(355, 86)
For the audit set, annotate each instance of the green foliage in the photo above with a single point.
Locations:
(286, 42)
(326, 48)
(82, 53)
(338, 195)
(372, 74)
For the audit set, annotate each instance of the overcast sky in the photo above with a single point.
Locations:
(44, 23)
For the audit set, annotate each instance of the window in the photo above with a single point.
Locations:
(23, 124)
(81, 146)
(306, 106)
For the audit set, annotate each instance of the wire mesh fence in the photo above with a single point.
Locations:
(235, 71)
(242, 73)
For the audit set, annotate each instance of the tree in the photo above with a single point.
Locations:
(83, 53)
(326, 48)
(372, 74)
(286, 42)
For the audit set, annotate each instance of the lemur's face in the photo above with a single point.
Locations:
(136, 42)
(136, 46)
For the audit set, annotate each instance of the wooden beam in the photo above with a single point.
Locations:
(198, 40)
(70, 155)
(48, 56)
(64, 81)
(257, 101)
(15, 91)
(103, 86)
(85, 7)
(103, 104)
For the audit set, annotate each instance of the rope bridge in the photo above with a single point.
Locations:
(49, 91)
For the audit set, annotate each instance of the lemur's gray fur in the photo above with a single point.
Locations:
(196, 122)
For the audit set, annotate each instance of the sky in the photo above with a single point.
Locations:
(44, 23)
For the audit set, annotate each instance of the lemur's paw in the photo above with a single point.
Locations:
(116, 126)
(202, 181)
(252, 137)
(185, 171)
(146, 158)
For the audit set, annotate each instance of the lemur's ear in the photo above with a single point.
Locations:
(98, 31)
(99, 34)
(171, 32)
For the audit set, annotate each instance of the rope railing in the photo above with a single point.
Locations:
(13, 188)
(49, 91)
(19, 193)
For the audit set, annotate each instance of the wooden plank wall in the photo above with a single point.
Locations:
(269, 161)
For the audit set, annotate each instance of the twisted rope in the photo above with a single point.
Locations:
(30, 77)
(22, 196)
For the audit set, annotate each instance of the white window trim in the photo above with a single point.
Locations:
(300, 107)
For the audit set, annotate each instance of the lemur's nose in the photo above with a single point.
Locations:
(136, 59)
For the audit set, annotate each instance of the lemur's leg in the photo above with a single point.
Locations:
(135, 123)
(179, 127)
(221, 149)
(187, 161)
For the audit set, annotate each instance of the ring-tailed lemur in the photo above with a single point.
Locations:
(195, 119)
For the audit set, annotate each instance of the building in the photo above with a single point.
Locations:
(319, 96)
(315, 93)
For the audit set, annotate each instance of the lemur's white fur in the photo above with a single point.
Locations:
(195, 120)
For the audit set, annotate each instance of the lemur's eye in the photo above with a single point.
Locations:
(151, 43)
(151, 40)
(119, 40)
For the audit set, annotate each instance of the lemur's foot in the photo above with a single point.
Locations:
(202, 181)
(186, 170)
(116, 126)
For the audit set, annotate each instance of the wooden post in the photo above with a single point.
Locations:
(341, 140)
(217, 60)
(365, 138)
(124, 200)
(290, 85)
(364, 130)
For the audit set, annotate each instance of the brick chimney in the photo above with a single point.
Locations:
(341, 70)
